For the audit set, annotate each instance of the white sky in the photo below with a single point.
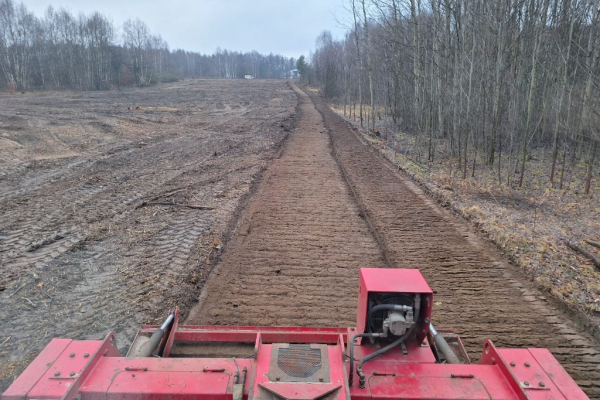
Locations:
(279, 26)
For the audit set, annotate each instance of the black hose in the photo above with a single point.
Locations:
(401, 339)
(361, 375)
(351, 375)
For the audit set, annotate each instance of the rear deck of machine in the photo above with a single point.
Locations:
(297, 363)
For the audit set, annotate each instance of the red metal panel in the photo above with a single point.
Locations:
(72, 367)
(385, 280)
(559, 376)
(382, 280)
(34, 372)
(420, 387)
(491, 356)
(540, 379)
(175, 378)
(179, 385)
(434, 381)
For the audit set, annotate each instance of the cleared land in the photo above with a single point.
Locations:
(326, 205)
(98, 229)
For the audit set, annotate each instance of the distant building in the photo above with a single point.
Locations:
(248, 77)
(294, 74)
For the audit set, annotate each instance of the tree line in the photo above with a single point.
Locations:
(88, 52)
(494, 80)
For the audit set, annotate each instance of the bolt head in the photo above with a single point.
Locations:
(526, 383)
(512, 364)
(72, 374)
(86, 355)
(277, 378)
(527, 364)
(57, 373)
(542, 384)
(72, 355)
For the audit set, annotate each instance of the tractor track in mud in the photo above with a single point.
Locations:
(330, 205)
(83, 249)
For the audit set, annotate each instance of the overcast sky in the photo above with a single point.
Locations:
(279, 26)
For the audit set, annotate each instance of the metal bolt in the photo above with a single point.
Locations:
(72, 355)
(426, 320)
(512, 364)
(526, 383)
(86, 355)
(277, 378)
(320, 379)
(527, 364)
(72, 374)
(57, 373)
(542, 384)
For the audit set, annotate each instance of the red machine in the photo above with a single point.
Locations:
(393, 353)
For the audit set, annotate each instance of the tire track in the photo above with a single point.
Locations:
(80, 256)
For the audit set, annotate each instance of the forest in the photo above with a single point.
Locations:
(89, 52)
(481, 83)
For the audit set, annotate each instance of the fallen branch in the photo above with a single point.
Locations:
(169, 194)
(585, 253)
(592, 243)
(30, 302)
(16, 291)
(163, 203)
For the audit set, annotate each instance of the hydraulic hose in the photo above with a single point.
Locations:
(351, 375)
(401, 339)
(361, 375)
(155, 339)
(443, 346)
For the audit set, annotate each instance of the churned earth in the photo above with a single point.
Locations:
(246, 203)
(115, 205)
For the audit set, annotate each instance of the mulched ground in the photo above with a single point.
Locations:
(531, 225)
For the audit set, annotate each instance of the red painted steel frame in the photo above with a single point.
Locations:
(63, 371)
(406, 281)
(93, 370)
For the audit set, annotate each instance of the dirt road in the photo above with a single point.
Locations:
(296, 258)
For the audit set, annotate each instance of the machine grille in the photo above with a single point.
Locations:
(299, 360)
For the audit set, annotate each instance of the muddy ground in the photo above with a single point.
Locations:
(326, 205)
(102, 224)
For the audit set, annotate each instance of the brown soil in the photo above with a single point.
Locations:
(296, 258)
(85, 248)
(96, 232)
(301, 243)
